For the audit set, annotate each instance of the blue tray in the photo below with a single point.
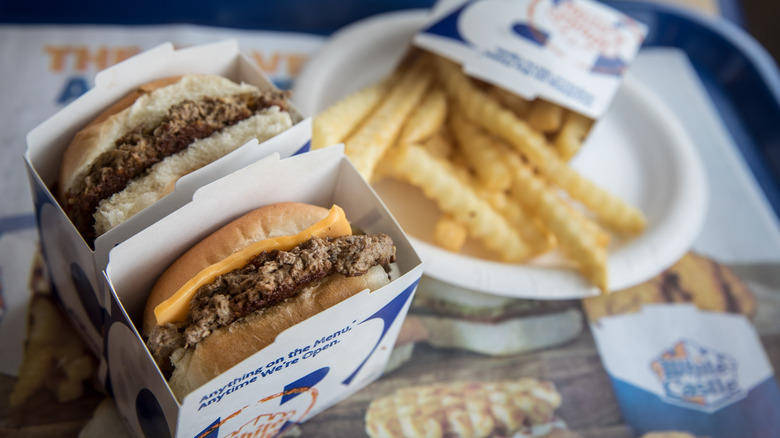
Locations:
(742, 80)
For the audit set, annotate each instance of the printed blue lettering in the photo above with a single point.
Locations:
(316, 351)
(541, 74)
(277, 361)
(268, 372)
(232, 386)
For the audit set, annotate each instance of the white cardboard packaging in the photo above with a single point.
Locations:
(674, 366)
(310, 366)
(572, 53)
(75, 268)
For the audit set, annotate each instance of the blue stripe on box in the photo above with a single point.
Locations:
(305, 148)
(756, 415)
(448, 26)
(387, 314)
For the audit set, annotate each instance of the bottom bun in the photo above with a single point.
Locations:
(227, 347)
(510, 336)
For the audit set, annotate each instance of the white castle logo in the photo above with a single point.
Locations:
(697, 377)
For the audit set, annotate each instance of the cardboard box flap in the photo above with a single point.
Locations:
(572, 53)
(156, 63)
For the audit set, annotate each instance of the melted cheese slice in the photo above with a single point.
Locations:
(175, 308)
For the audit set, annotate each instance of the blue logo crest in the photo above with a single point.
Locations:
(697, 377)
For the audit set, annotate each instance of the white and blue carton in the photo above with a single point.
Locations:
(573, 53)
(309, 367)
(674, 366)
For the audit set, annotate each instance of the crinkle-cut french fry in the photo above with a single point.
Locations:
(545, 115)
(538, 237)
(609, 209)
(426, 119)
(572, 134)
(488, 113)
(602, 237)
(529, 225)
(574, 239)
(531, 229)
(366, 146)
(496, 198)
(440, 145)
(449, 233)
(484, 152)
(510, 101)
(462, 165)
(440, 183)
(336, 122)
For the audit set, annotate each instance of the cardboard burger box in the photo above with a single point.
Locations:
(75, 266)
(309, 367)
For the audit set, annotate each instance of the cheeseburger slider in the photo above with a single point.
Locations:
(131, 155)
(232, 293)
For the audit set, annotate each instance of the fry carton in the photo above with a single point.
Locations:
(572, 54)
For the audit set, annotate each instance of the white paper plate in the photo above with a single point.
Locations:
(638, 151)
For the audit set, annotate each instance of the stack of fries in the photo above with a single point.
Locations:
(495, 164)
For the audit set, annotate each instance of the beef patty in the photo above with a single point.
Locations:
(269, 278)
(139, 149)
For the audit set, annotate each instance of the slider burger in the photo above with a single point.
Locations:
(131, 155)
(232, 293)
